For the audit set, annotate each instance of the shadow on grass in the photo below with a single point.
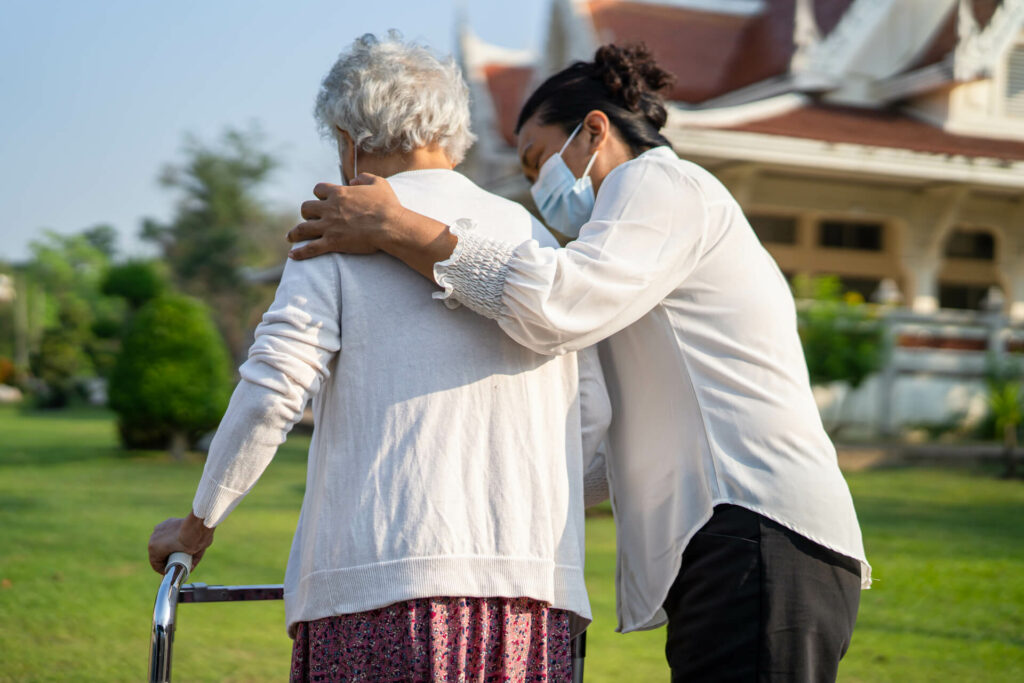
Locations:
(960, 635)
(58, 455)
(965, 526)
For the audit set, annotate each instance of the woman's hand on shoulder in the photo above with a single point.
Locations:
(353, 219)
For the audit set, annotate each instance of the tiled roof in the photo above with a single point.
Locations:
(710, 53)
(880, 129)
(507, 85)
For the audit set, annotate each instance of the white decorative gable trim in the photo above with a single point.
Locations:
(806, 36)
(571, 36)
(876, 40)
(831, 57)
(724, 117)
(475, 55)
(978, 51)
(739, 7)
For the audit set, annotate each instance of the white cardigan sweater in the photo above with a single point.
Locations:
(447, 460)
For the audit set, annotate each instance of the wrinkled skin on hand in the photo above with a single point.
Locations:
(184, 534)
(353, 219)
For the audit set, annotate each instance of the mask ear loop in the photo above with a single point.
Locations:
(574, 131)
(590, 163)
(593, 157)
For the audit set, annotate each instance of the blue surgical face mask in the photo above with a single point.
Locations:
(565, 201)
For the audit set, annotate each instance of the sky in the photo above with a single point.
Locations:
(96, 97)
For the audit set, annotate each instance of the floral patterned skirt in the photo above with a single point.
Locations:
(437, 639)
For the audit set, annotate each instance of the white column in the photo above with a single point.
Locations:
(923, 270)
(1011, 263)
(933, 213)
(1013, 272)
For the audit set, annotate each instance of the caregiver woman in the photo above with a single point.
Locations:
(734, 522)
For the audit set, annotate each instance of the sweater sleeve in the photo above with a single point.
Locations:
(648, 229)
(595, 417)
(288, 362)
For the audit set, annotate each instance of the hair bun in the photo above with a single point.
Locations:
(634, 78)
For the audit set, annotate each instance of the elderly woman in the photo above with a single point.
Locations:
(441, 533)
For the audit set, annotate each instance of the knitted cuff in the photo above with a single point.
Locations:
(476, 271)
(214, 502)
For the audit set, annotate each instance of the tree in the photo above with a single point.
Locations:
(104, 238)
(137, 282)
(220, 228)
(61, 359)
(172, 380)
(65, 272)
(842, 339)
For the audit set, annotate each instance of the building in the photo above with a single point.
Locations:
(878, 140)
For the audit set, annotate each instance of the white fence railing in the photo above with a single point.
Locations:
(933, 373)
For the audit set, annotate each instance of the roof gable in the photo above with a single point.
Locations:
(711, 53)
(945, 38)
(507, 86)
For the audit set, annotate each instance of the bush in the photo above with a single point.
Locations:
(59, 364)
(172, 379)
(137, 282)
(842, 339)
(1005, 380)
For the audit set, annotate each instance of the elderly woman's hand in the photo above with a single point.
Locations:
(353, 220)
(187, 534)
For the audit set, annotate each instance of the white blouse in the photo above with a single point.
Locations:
(710, 392)
(447, 460)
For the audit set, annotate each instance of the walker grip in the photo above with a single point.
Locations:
(180, 558)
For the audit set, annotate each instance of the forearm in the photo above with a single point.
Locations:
(257, 421)
(418, 241)
(194, 535)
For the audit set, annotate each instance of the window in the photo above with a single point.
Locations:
(864, 286)
(1015, 83)
(968, 297)
(971, 244)
(851, 235)
(774, 229)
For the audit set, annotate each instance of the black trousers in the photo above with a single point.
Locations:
(755, 601)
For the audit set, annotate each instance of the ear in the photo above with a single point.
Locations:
(343, 134)
(596, 130)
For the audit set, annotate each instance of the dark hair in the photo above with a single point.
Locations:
(622, 82)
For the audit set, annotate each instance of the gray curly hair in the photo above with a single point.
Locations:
(391, 95)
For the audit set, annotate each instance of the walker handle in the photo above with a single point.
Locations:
(164, 615)
(180, 558)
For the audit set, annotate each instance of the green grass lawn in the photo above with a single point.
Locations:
(76, 592)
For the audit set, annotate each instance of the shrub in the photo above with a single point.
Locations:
(137, 282)
(1005, 380)
(842, 339)
(61, 359)
(172, 379)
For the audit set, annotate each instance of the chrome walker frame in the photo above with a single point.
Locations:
(173, 590)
